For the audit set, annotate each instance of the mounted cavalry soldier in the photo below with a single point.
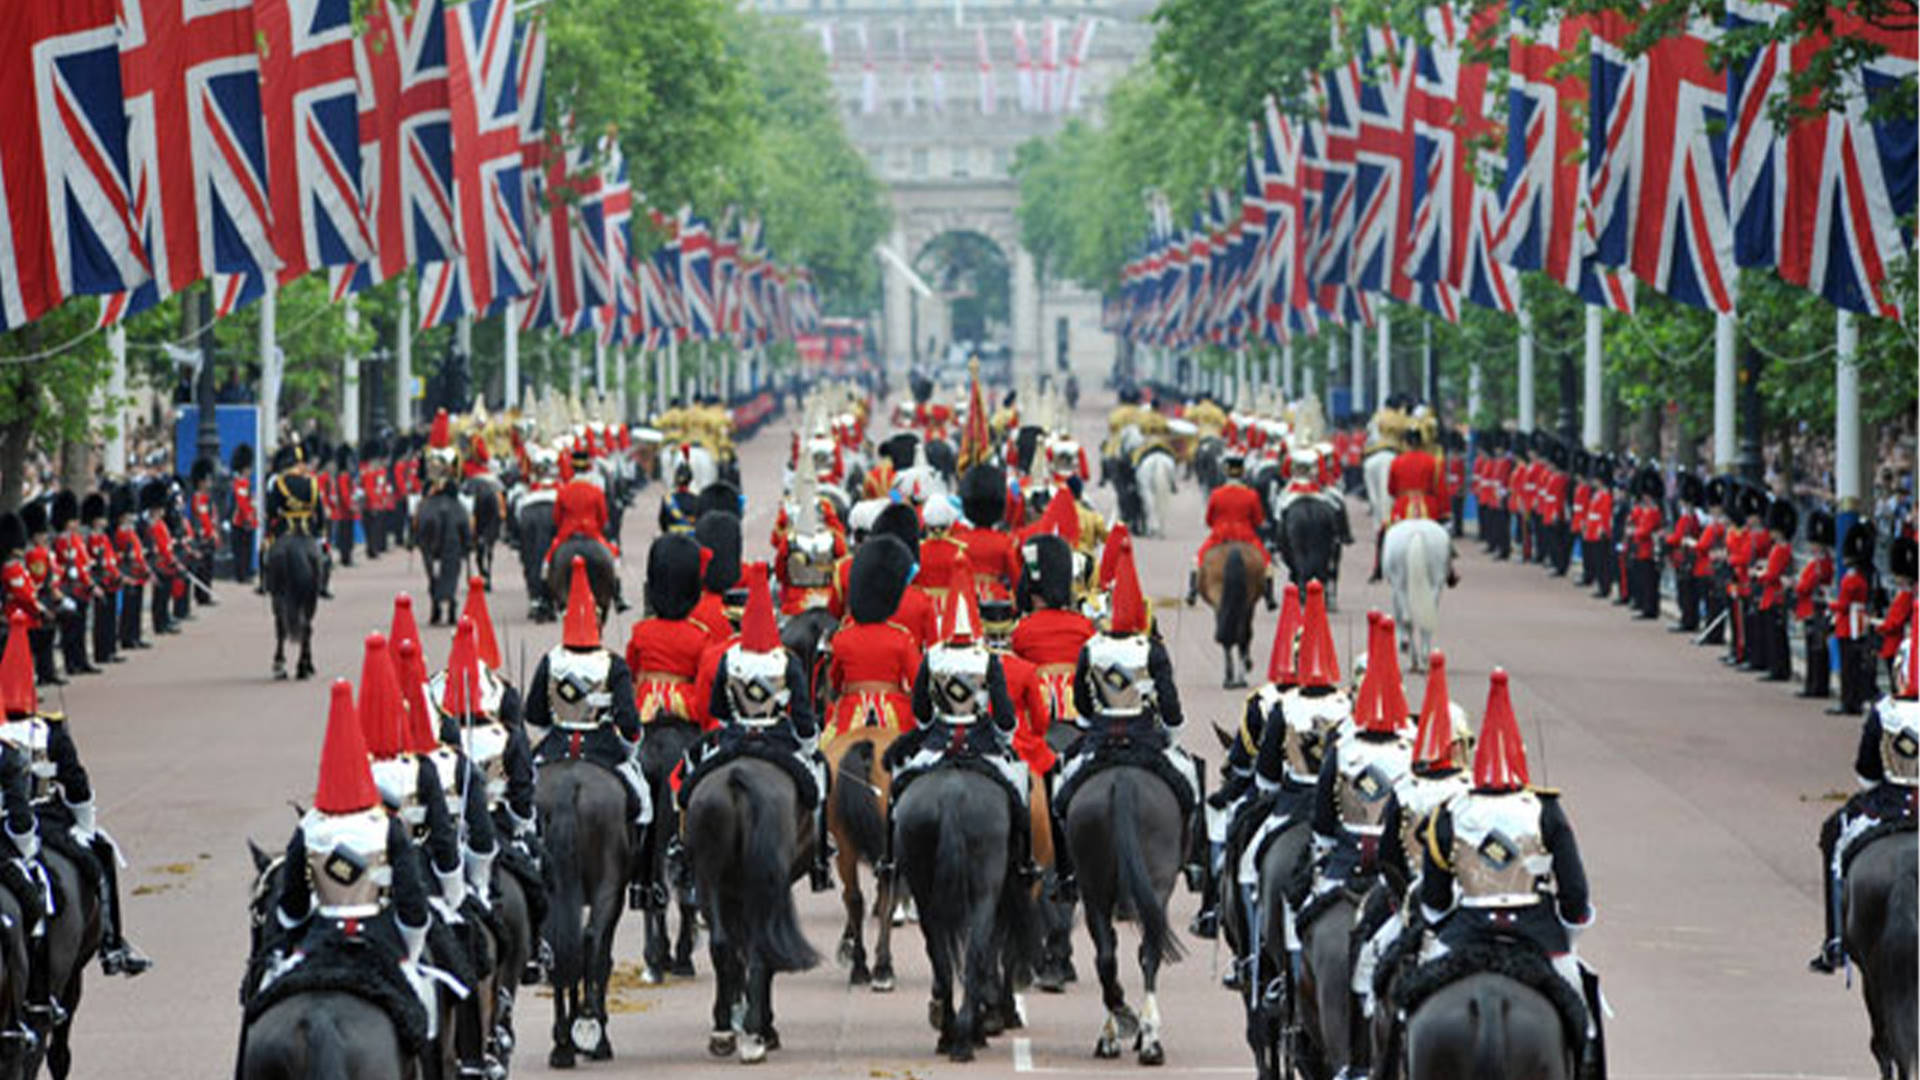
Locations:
(680, 508)
(1128, 706)
(1235, 514)
(1051, 632)
(1501, 865)
(295, 505)
(805, 552)
(1359, 774)
(761, 709)
(582, 695)
(1887, 766)
(875, 659)
(1418, 487)
(991, 550)
(664, 649)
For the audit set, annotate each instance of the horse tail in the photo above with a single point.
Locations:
(1136, 885)
(859, 804)
(1230, 619)
(1488, 1014)
(768, 898)
(326, 1048)
(561, 831)
(1425, 604)
(952, 881)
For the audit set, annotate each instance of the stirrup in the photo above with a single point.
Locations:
(124, 959)
(1831, 958)
(52, 1011)
(28, 1038)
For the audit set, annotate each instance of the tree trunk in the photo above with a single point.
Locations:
(1646, 432)
(15, 440)
(76, 466)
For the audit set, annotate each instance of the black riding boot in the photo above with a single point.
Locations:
(1832, 953)
(1193, 585)
(1065, 889)
(117, 955)
(820, 875)
(1379, 541)
(640, 883)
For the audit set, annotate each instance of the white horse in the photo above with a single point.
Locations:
(1415, 563)
(706, 468)
(1153, 476)
(1375, 469)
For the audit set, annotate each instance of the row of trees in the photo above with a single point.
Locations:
(1177, 125)
(714, 106)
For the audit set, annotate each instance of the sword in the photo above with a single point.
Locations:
(1711, 627)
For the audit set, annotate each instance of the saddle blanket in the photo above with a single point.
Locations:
(805, 768)
(1009, 771)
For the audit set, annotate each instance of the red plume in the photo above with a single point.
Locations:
(1385, 709)
(758, 631)
(582, 628)
(346, 778)
(418, 716)
(1500, 758)
(960, 618)
(462, 694)
(1127, 611)
(1319, 664)
(16, 670)
(440, 436)
(404, 627)
(1280, 662)
(1119, 540)
(382, 716)
(486, 648)
(1433, 744)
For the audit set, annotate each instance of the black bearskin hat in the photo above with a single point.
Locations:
(1650, 483)
(34, 516)
(983, 495)
(373, 449)
(899, 521)
(720, 497)
(882, 569)
(65, 508)
(719, 533)
(241, 464)
(1557, 454)
(1820, 528)
(1857, 549)
(1903, 560)
(899, 449)
(1784, 516)
(319, 452)
(343, 457)
(13, 535)
(1129, 393)
(673, 576)
(1692, 491)
(93, 508)
(921, 386)
(120, 501)
(1048, 574)
(1720, 492)
(287, 457)
(153, 495)
(201, 472)
(1582, 462)
(1753, 503)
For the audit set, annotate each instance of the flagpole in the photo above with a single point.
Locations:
(269, 348)
(620, 383)
(510, 355)
(599, 363)
(1286, 368)
(1590, 386)
(1847, 488)
(116, 458)
(573, 369)
(1357, 358)
(1383, 374)
(1525, 379)
(1723, 387)
(403, 357)
(350, 383)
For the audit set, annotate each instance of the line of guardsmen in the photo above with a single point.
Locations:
(1729, 545)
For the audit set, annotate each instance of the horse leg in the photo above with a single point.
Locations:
(279, 644)
(722, 1041)
(883, 892)
(561, 1056)
(599, 976)
(754, 1024)
(853, 949)
(654, 953)
(1120, 1023)
(1148, 1042)
(682, 964)
(304, 669)
(940, 1004)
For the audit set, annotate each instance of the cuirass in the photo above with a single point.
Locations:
(577, 687)
(757, 685)
(1900, 741)
(810, 561)
(1310, 720)
(1500, 859)
(957, 676)
(347, 862)
(1368, 770)
(398, 779)
(1419, 797)
(1118, 676)
(485, 745)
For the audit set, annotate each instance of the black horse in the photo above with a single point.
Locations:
(1879, 936)
(667, 741)
(583, 819)
(804, 635)
(749, 841)
(443, 531)
(292, 574)
(1310, 542)
(953, 830)
(602, 575)
(533, 533)
(1487, 1027)
(489, 516)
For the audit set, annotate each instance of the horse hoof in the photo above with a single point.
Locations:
(603, 1051)
(650, 976)
(883, 981)
(1106, 1048)
(587, 1034)
(1127, 1021)
(1050, 981)
(280, 673)
(1153, 1054)
(560, 1058)
(773, 1038)
(859, 976)
(681, 969)
(753, 1051)
(936, 1018)
(962, 1051)
(721, 1044)
(993, 1025)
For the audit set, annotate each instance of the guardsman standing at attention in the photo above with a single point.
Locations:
(1850, 623)
(106, 577)
(1903, 562)
(1771, 636)
(244, 524)
(1809, 602)
(1683, 550)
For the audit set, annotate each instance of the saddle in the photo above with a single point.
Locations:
(1311, 906)
(1856, 844)
(333, 962)
(530, 869)
(1097, 751)
(713, 753)
(56, 823)
(1513, 958)
(960, 756)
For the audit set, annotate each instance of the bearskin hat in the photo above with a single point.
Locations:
(343, 457)
(882, 569)
(900, 522)
(1692, 491)
(722, 497)
(1557, 454)
(13, 535)
(1820, 528)
(287, 457)
(64, 506)
(1784, 516)
(1857, 548)
(921, 386)
(1048, 573)
(34, 516)
(373, 449)
(201, 472)
(983, 495)
(241, 463)
(719, 533)
(1904, 560)
(1129, 393)
(1650, 483)
(153, 496)
(1582, 463)
(319, 452)
(93, 508)
(1753, 503)
(120, 500)
(673, 576)
(900, 448)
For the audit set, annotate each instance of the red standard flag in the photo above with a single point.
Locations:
(976, 439)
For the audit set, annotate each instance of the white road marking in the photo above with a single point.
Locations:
(1022, 1055)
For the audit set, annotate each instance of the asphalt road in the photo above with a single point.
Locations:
(1696, 794)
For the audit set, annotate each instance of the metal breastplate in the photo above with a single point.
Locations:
(957, 677)
(1419, 797)
(1499, 858)
(485, 745)
(577, 687)
(29, 736)
(757, 686)
(1310, 720)
(1117, 671)
(398, 779)
(492, 690)
(347, 862)
(1369, 769)
(1900, 741)
(810, 561)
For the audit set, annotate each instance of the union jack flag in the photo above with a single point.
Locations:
(1451, 109)
(66, 206)
(1383, 164)
(695, 277)
(1338, 142)
(1538, 228)
(1283, 285)
(1656, 163)
(201, 200)
(311, 100)
(618, 318)
(485, 105)
(587, 220)
(1823, 201)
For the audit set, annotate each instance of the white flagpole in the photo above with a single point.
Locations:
(1590, 382)
(510, 353)
(269, 347)
(116, 457)
(350, 383)
(403, 358)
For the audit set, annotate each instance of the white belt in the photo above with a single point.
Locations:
(350, 911)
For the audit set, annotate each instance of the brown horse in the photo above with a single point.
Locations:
(1232, 576)
(857, 819)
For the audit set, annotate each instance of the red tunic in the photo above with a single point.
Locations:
(1814, 576)
(1050, 639)
(1850, 607)
(1893, 627)
(1030, 708)
(72, 550)
(579, 509)
(244, 515)
(919, 616)
(872, 674)
(711, 615)
(1711, 537)
(938, 556)
(100, 550)
(132, 555)
(1234, 515)
(1773, 575)
(1418, 488)
(1685, 527)
(703, 684)
(21, 596)
(348, 506)
(203, 516)
(995, 559)
(1739, 556)
(1646, 522)
(664, 656)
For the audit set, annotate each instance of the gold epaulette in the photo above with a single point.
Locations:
(1433, 843)
(54, 717)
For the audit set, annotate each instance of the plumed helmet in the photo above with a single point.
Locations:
(1047, 576)
(64, 508)
(900, 522)
(1784, 517)
(719, 533)
(721, 497)
(882, 569)
(34, 515)
(983, 494)
(1903, 560)
(286, 457)
(1857, 547)
(673, 576)
(1820, 528)
(900, 449)
(1650, 483)
(13, 535)
(93, 508)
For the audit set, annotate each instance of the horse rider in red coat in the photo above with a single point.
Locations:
(1418, 487)
(1235, 514)
(580, 509)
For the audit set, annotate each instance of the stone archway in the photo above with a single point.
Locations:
(925, 212)
(973, 276)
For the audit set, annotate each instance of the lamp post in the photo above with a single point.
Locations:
(206, 443)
